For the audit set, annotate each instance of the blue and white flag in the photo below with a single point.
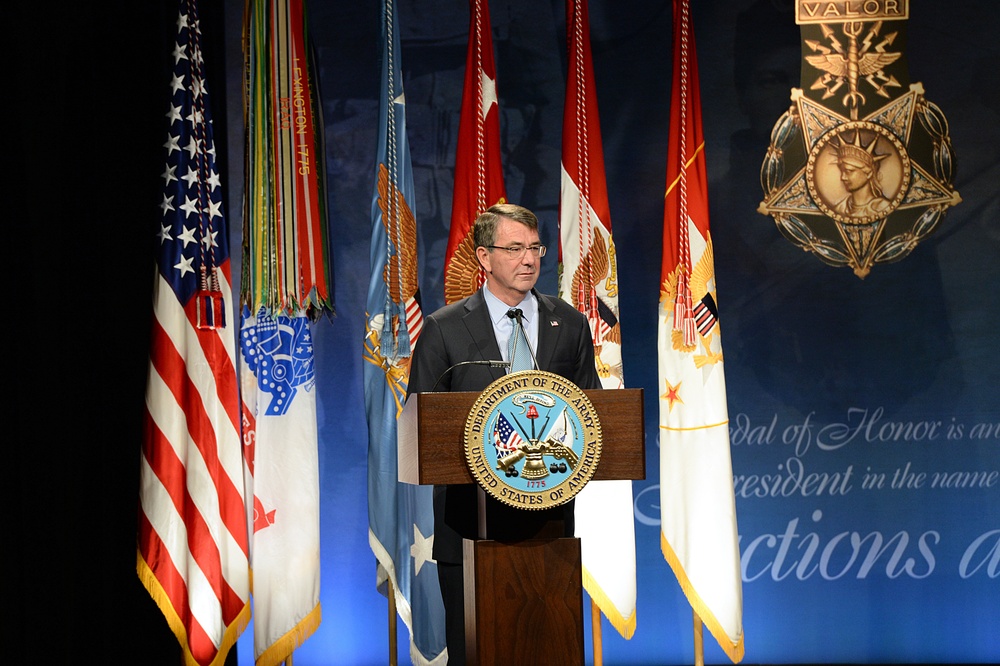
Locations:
(400, 516)
(278, 386)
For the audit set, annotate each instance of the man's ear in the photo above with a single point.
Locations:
(483, 255)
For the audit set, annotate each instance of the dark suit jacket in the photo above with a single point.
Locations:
(463, 331)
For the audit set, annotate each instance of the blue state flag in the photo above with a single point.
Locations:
(400, 516)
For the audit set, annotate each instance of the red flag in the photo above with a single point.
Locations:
(192, 536)
(698, 510)
(589, 281)
(478, 169)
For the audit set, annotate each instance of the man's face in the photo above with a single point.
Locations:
(510, 278)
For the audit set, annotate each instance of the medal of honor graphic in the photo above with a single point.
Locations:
(532, 440)
(860, 168)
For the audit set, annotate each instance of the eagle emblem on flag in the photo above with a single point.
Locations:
(704, 310)
(278, 350)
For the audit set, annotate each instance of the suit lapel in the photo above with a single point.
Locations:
(477, 322)
(550, 327)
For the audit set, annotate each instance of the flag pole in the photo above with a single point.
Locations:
(699, 643)
(595, 633)
(392, 624)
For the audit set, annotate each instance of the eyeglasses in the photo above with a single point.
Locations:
(517, 251)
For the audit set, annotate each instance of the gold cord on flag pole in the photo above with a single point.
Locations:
(481, 203)
(683, 306)
(595, 633)
(699, 642)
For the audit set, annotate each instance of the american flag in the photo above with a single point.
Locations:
(505, 438)
(192, 533)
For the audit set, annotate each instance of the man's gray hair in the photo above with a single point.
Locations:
(484, 231)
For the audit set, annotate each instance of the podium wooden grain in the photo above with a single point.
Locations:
(523, 602)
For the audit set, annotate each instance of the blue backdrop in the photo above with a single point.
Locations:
(886, 387)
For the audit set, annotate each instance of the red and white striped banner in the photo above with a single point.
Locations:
(589, 280)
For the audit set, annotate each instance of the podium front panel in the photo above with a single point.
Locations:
(524, 602)
(431, 435)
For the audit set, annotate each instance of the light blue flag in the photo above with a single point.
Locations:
(400, 516)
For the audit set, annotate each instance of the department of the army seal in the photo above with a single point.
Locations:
(532, 440)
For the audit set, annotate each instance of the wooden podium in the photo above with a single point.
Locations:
(523, 598)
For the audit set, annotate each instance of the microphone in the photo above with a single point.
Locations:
(516, 314)
(492, 364)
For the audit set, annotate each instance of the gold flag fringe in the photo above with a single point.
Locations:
(282, 648)
(623, 625)
(733, 650)
(156, 591)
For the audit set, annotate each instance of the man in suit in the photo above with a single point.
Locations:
(477, 328)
